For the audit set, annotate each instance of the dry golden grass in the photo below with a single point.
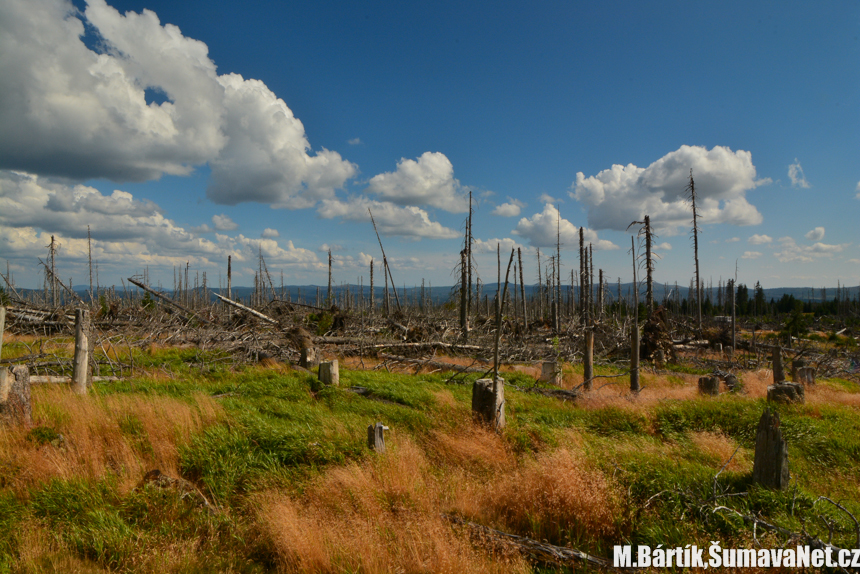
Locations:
(474, 448)
(383, 515)
(719, 448)
(122, 434)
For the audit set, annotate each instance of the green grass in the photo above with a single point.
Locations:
(281, 429)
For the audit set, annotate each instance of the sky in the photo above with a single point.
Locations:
(186, 132)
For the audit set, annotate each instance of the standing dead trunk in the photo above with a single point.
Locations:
(464, 297)
(770, 468)
(522, 290)
(691, 189)
(15, 405)
(588, 359)
(634, 333)
(83, 334)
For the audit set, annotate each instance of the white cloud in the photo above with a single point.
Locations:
(733, 240)
(790, 251)
(662, 247)
(409, 222)
(544, 228)
(224, 223)
(510, 209)
(759, 239)
(270, 233)
(489, 246)
(816, 234)
(547, 198)
(126, 232)
(354, 141)
(751, 255)
(428, 181)
(616, 196)
(795, 172)
(326, 247)
(74, 112)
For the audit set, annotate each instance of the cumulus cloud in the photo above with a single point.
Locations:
(270, 233)
(408, 222)
(733, 240)
(326, 247)
(662, 247)
(616, 196)
(489, 246)
(816, 234)
(751, 255)
(759, 239)
(224, 223)
(510, 209)
(544, 228)
(795, 173)
(79, 113)
(428, 181)
(790, 251)
(125, 231)
(354, 141)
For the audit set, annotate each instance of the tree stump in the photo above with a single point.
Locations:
(309, 358)
(778, 373)
(786, 393)
(81, 371)
(15, 405)
(770, 468)
(709, 386)
(551, 373)
(733, 384)
(796, 365)
(376, 437)
(488, 402)
(330, 373)
(805, 376)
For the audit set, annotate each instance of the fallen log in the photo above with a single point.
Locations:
(168, 300)
(534, 550)
(51, 380)
(430, 363)
(256, 314)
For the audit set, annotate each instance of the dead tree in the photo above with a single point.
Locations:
(522, 290)
(691, 190)
(634, 332)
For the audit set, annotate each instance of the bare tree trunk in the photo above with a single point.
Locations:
(522, 290)
(634, 333)
(649, 267)
(464, 297)
(372, 294)
(691, 188)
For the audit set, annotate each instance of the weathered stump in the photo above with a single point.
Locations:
(796, 365)
(2, 325)
(376, 437)
(718, 347)
(488, 402)
(588, 360)
(778, 373)
(15, 405)
(709, 386)
(805, 376)
(733, 384)
(330, 373)
(81, 370)
(786, 393)
(770, 468)
(309, 358)
(551, 372)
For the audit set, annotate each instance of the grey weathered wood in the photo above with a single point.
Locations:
(551, 372)
(376, 437)
(83, 333)
(330, 373)
(709, 386)
(488, 402)
(770, 468)
(15, 405)
(2, 326)
(796, 364)
(248, 310)
(733, 384)
(169, 301)
(786, 393)
(309, 358)
(778, 373)
(805, 376)
(588, 359)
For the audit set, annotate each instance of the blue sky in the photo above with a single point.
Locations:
(197, 130)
